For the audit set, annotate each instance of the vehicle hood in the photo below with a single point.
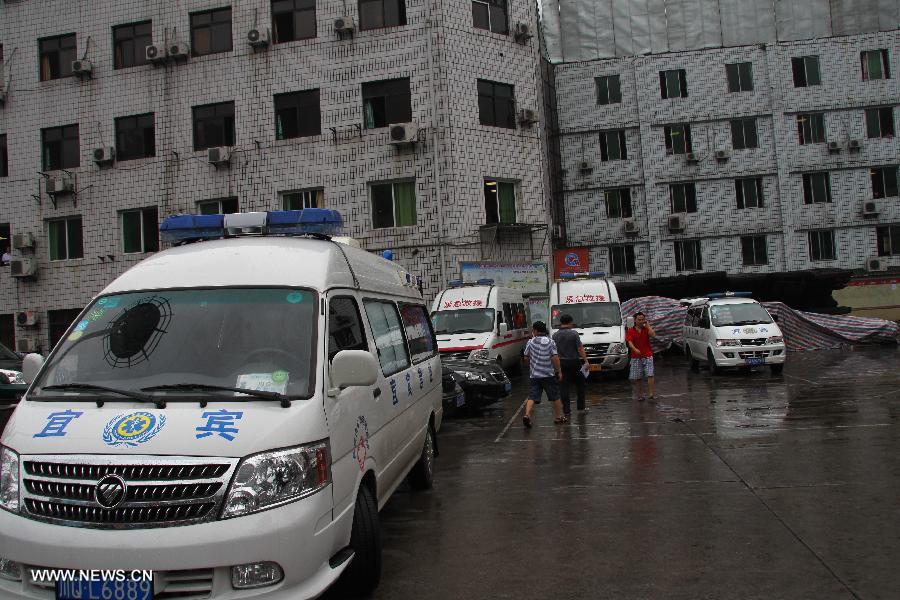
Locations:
(180, 429)
(463, 341)
(743, 332)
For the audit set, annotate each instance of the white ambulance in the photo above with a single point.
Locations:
(593, 303)
(481, 316)
(230, 414)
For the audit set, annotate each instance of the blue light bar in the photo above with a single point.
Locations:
(454, 283)
(181, 228)
(308, 220)
(717, 295)
(585, 274)
(485, 282)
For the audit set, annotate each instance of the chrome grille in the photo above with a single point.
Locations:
(596, 350)
(754, 354)
(160, 491)
(754, 342)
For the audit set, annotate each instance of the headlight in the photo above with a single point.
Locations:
(473, 376)
(775, 339)
(9, 480)
(618, 348)
(271, 479)
(481, 354)
(728, 342)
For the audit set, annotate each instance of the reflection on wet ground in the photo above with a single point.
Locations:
(738, 486)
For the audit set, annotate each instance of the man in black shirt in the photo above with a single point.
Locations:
(571, 357)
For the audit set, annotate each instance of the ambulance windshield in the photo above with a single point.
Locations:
(478, 320)
(589, 314)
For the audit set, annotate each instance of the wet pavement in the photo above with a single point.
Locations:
(739, 486)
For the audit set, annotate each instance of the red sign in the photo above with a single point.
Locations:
(464, 303)
(571, 260)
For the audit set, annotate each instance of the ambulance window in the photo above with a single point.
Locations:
(520, 318)
(345, 331)
(508, 315)
(704, 319)
(419, 334)
(388, 333)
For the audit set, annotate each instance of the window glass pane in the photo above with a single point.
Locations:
(417, 327)
(131, 231)
(405, 203)
(230, 206)
(812, 70)
(498, 17)
(371, 15)
(388, 334)
(73, 234)
(480, 15)
(507, 202)
(746, 72)
(382, 206)
(615, 90)
(747, 250)
(150, 217)
(57, 240)
(734, 83)
(491, 202)
(345, 330)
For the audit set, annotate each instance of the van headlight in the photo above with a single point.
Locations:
(271, 479)
(775, 339)
(9, 479)
(728, 343)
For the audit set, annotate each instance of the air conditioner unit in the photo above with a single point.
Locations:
(528, 116)
(27, 318)
(82, 68)
(179, 50)
(854, 146)
(104, 156)
(876, 265)
(585, 166)
(21, 241)
(870, 208)
(27, 344)
(62, 184)
(834, 147)
(631, 226)
(676, 223)
(218, 156)
(156, 54)
(557, 232)
(522, 32)
(691, 158)
(404, 133)
(722, 155)
(344, 25)
(22, 267)
(258, 38)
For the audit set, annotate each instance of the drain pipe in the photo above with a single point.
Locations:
(435, 152)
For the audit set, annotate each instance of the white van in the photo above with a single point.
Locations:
(480, 316)
(731, 329)
(593, 302)
(230, 414)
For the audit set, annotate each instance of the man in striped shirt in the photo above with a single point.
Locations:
(544, 371)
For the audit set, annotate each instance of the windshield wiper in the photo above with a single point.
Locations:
(284, 399)
(159, 402)
(598, 325)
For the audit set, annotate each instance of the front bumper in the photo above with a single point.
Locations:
(737, 356)
(299, 536)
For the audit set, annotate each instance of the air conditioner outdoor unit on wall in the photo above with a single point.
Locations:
(22, 267)
(854, 146)
(218, 156)
(179, 51)
(61, 184)
(584, 166)
(258, 38)
(691, 158)
(528, 116)
(27, 318)
(676, 223)
(104, 156)
(631, 226)
(20, 241)
(834, 147)
(344, 25)
(876, 264)
(156, 54)
(870, 208)
(27, 344)
(404, 133)
(522, 32)
(82, 68)
(722, 155)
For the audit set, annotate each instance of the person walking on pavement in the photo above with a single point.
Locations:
(571, 358)
(542, 360)
(638, 340)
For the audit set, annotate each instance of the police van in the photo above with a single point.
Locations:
(731, 329)
(483, 317)
(230, 413)
(593, 302)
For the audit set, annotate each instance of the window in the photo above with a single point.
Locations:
(135, 137)
(811, 128)
(683, 197)
(314, 198)
(65, 239)
(213, 125)
(211, 31)
(221, 206)
(884, 182)
(618, 203)
(621, 260)
(821, 245)
(8, 330)
(875, 64)
(297, 115)
(753, 249)
(130, 43)
(293, 20)
(678, 138)
(743, 134)
(419, 335)
(880, 122)
(496, 104)
(673, 84)
(499, 201)
(687, 256)
(816, 188)
(57, 54)
(394, 204)
(612, 145)
(60, 149)
(806, 71)
(386, 102)
(388, 334)
(140, 230)
(59, 321)
(740, 77)
(888, 240)
(749, 192)
(609, 90)
(374, 14)
(345, 330)
(4, 157)
(490, 15)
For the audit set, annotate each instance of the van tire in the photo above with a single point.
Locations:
(364, 572)
(714, 369)
(421, 477)
(777, 369)
(693, 363)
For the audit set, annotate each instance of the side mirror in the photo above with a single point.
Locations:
(354, 368)
(31, 364)
(503, 328)
(629, 322)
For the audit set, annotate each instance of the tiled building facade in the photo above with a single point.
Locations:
(303, 119)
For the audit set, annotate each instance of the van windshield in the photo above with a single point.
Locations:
(260, 339)
(589, 314)
(478, 320)
(748, 313)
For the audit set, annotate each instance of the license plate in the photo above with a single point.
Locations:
(460, 399)
(755, 362)
(595, 368)
(507, 387)
(128, 589)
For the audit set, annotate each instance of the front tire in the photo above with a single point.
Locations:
(693, 363)
(714, 369)
(421, 477)
(364, 573)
